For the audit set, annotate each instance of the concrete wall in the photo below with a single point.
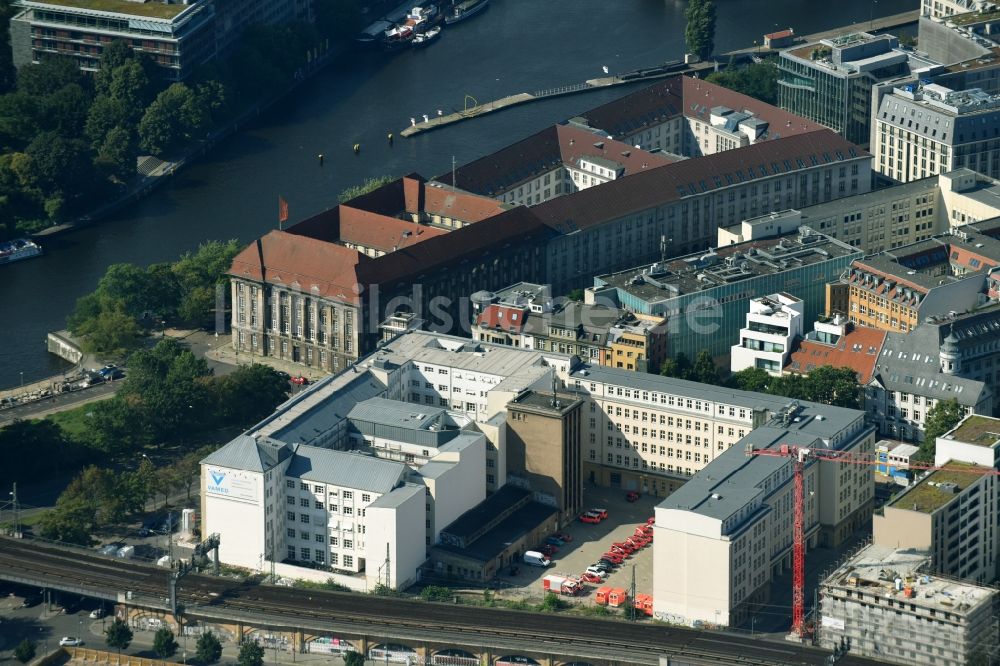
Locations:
(62, 345)
(459, 488)
(239, 522)
(398, 531)
(901, 528)
(945, 45)
(678, 594)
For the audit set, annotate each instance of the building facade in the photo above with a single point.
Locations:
(723, 537)
(773, 326)
(880, 603)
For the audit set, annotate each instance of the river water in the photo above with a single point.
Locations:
(516, 46)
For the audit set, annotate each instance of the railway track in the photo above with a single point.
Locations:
(212, 597)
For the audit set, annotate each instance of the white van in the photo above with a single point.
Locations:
(535, 559)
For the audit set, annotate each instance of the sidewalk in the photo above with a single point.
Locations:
(217, 348)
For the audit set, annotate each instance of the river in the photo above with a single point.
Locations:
(516, 46)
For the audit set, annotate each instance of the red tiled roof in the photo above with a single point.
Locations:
(671, 182)
(858, 350)
(781, 34)
(387, 234)
(305, 263)
(648, 106)
(700, 96)
(543, 151)
(503, 317)
(459, 205)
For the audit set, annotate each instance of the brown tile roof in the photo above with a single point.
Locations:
(649, 106)
(700, 96)
(858, 350)
(672, 182)
(459, 205)
(543, 151)
(503, 317)
(387, 234)
(280, 257)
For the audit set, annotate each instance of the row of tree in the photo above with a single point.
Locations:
(825, 384)
(758, 80)
(130, 300)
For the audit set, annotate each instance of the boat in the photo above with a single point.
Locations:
(466, 9)
(427, 38)
(397, 37)
(18, 249)
(373, 33)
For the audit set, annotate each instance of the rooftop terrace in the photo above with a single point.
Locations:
(145, 9)
(974, 17)
(938, 488)
(979, 430)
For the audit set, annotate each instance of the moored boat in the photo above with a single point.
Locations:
(18, 249)
(466, 9)
(427, 38)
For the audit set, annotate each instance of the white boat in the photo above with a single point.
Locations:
(427, 38)
(18, 249)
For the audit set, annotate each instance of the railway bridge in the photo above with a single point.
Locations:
(395, 630)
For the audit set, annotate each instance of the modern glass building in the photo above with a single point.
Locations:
(705, 297)
(830, 81)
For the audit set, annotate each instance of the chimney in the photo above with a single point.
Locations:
(413, 193)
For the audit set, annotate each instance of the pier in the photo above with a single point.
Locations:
(646, 74)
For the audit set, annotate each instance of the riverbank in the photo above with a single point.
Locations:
(154, 175)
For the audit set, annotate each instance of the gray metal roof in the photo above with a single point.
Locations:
(349, 470)
(247, 453)
(728, 483)
(397, 497)
(395, 413)
(910, 363)
(834, 418)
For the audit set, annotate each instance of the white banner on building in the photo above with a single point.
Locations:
(232, 484)
(833, 623)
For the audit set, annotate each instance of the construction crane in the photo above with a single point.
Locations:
(799, 455)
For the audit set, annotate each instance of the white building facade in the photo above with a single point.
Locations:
(773, 325)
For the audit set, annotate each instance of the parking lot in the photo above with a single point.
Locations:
(588, 544)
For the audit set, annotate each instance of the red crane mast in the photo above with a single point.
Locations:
(799, 456)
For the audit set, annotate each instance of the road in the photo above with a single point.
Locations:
(211, 598)
(58, 403)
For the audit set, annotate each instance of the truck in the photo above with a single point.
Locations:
(644, 604)
(535, 559)
(560, 584)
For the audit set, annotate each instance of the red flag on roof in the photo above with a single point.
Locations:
(282, 210)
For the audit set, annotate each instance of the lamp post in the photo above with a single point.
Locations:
(22, 379)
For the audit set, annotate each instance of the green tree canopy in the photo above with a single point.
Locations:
(250, 393)
(369, 185)
(941, 418)
(118, 635)
(679, 367)
(354, 659)
(251, 654)
(25, 651)
(699, 33)
(208, 649)
(704, 369)
(164, 644)
(751, 379)
(758, 80)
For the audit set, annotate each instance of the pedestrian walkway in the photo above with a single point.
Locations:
(218, 348)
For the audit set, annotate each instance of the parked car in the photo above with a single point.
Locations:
(555, 541)
(548, 549)
(613, 557)
(300, 380)
(632, 496)
(565, 536)
(284, 375)
(97, 613)
(602, 513)
(651, 520)
(590, 518)
(594, 572)
(71, 606)
(70, 641)
(31, 600)
(607, 564)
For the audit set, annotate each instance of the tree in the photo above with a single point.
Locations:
(48, 76)
(164, 644)
(118, 636)
(834, 386)
(679, 367)
(704, 369)
(25, 651)
(175, 115)
(56, 165)
(104, 115)
(941, 418)
(114, 332)
(208, 649)
(251, 654)
(758, 80)
(117, 154)
(751, 379)
(250, 393)
(114, 54)
(699, 34)
(354, 659)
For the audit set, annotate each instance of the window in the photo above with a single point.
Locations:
(319, 538)
(334, 559)
(319, 555)
(304, 517)
(366, 497)
(289, 483)
(348, 494)
(303, 486)
(291, 515)
(333, 541)
(348, 510)
(291, 552)
(291, 500)
(304, 502)
(291, 533)
(319, 504)
(348, 560)
(348, 543)
(334, 508)
(304, 553)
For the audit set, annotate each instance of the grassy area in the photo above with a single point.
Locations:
(147, 9)
(75, 423)
(927, 497)
(980, 430)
